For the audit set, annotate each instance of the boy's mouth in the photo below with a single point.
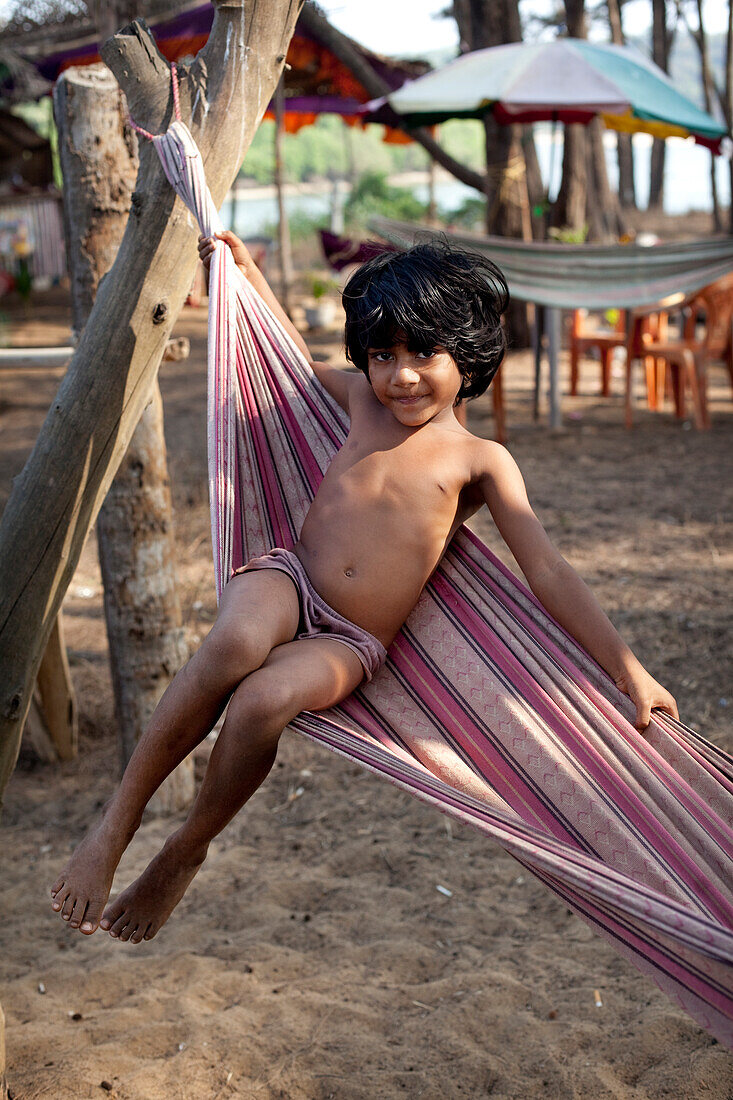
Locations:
(410, 399)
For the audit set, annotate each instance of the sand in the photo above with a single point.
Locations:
(314, 956)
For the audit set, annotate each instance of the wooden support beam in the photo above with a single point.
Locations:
(111, 376)
(58, 700)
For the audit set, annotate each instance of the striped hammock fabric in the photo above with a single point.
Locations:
(486, 708)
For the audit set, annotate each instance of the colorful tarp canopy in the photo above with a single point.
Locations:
(316, 81)
(568, 79)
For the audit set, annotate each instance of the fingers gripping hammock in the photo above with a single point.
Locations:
(486, 708)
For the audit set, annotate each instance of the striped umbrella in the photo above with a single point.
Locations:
(567, 79)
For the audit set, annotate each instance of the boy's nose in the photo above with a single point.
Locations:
(405, 374)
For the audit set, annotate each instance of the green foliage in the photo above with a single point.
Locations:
(372, 194)
(332, 150)
(464, 139)
(303, 226)
(320, 286)
(259, 164)
(471, 214)
(40, 117)
(568, 235)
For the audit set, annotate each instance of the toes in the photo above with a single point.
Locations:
(152, 930)
(68, 907)
(111, 914)
(118, 926)
(77, 913)
(90, 922)
(57, 885)
(59, 897)
(139, 933)
(128, 930)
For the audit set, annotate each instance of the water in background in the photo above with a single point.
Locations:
(686, 183)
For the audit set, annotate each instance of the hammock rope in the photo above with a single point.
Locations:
(486, 708)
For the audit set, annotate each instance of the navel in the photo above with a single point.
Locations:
(348, 572)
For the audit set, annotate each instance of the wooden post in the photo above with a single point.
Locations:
(110, 378)
(137, 554)
(57, 695)
(99, 161)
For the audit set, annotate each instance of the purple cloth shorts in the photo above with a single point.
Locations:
(317, 619)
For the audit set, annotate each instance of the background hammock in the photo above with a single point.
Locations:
(590, 276)
(485, 708)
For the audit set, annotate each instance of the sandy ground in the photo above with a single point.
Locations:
(313, 956)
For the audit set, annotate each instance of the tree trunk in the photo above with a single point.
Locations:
(482, 24)
(535, 186)
(110, 378)
(707, 87)
(99, 161)
(137, 555)
(660, 56)
(283, 226)
(585, 196)
(624, 145)
(602, 205)
(569, 206)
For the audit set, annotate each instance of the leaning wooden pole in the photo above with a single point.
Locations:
(99, 162)
(110, 378)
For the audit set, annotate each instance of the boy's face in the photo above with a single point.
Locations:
(415, 385)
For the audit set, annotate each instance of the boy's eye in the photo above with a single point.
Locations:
(380, 356)
(425, 354)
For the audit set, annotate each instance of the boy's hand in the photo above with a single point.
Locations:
(240, 253)
(645, 693)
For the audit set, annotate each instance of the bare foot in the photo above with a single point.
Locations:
(81, 891)
(143, 908)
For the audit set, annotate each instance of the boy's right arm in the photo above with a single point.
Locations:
(336, 382)
(559, 588)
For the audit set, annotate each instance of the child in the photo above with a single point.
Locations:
(300, 629)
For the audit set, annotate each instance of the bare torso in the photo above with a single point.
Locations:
(384, 513)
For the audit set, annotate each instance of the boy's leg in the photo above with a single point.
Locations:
(258, 611)
(312, 674)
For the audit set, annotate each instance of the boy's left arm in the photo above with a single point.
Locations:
(559, 588)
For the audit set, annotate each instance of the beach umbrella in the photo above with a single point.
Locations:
(566, 80)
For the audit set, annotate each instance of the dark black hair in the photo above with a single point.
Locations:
(438, 296)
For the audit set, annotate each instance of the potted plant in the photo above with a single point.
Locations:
(322, 312)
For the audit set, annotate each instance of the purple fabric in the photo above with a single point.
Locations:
(317, 619)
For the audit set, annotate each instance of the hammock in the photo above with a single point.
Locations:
(486, 708)
(594, 276)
